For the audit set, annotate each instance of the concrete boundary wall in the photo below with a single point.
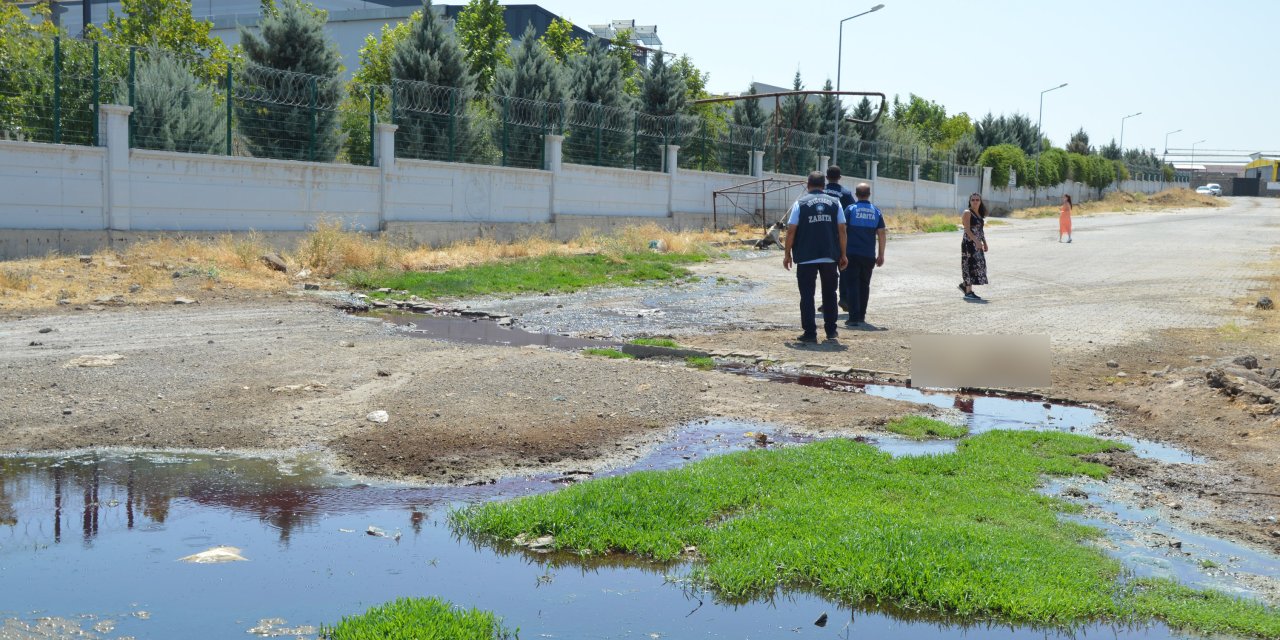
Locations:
(60, 198)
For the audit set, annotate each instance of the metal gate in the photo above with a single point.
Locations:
(1245, 186)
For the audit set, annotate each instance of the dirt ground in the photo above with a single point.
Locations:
(249, 369)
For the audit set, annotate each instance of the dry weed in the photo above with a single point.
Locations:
(1126, 202)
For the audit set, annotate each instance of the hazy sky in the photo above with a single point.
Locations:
(1208, 68)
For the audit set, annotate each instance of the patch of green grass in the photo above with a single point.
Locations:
(1204, 611)
(935, 226)
(419, 619)
(922, 428)
(613, 354)
(1206, 563)
(656, 342)
(700, 362)
(964, 533)
(531, 275)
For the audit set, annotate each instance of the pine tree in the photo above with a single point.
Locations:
(524, 90)
(483, 34)
(433, 89)
(864, 111)
(830, 113)
(1079, 143)
(796, 112)
(797, 121)
(293, 77)
(967, 149)
(173, 111)
(599, 130)
(747, 113)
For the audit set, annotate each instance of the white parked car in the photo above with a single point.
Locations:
(1208, 190)
(1215, 188)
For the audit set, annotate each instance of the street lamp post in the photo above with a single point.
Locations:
(835, 137)
(1122, 132)
(1035, 193)
(1165, 159)
(1193, 160)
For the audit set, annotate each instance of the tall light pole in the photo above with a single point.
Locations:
(835, 137)
(1164, 160)
(1122, 132)
(1193, 159)
(1035, 193)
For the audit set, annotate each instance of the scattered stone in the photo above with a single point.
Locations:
(311, 286)
(541, 542)
(181, 300)
(66, 411)
(275, 262)
(383, 373)
(1122, 375)
(86, 259)
(1075, 492)
(135, 287)
(1248, 362)
(1265, 303)
(108, 360)
(838, 370)
(346, 343)
(1113, 364)
(215, 555)
(821, 621)
(310, 386)
(34, 343)
(378, 416)
(376, 532)
(1046, 405)
(1275, 533)
(1176, 544)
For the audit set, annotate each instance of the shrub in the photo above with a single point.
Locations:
(1003, 158)
(418, 619)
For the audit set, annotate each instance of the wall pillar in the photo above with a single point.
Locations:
(823, 163)
(384, 155)
(673, 171)
(113, 127)
(757, 164)
(985, 189)
(554, 162)
(874, 173)
(915, 186)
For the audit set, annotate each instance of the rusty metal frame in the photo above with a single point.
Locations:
(761, 188)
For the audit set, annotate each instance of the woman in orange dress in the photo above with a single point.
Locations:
(1064, 218)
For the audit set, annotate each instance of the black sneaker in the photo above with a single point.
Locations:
(833, 335)
(844, 305)
(851, 323)
(808, 337)
(972, 297)
(961, 288)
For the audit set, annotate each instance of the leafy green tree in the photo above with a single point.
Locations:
(292, 78)
(596, 133)
(524, 88)
(1101, 172)
(432, 84)
(1078, 167)
(623, 48)
(953, 129)
(1079, 143)
(173, 111)
(169, 25)
(560, 42)
(1051, 169)
(483, 33)
(374, 74)
(700, 140)
(1002, 159)
(925, 116)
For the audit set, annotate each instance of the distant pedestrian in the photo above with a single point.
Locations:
(973, 247)
(837, 190)
(1064, 218)
(816, 245)
(865, 248)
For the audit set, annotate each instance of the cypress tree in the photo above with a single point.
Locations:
(523, 90)
(292, 78)
(662, 95)
(599, 128)
(173, 111)
(433, 88)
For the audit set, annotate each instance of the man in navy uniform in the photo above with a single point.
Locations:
(816, 245)
(837, 190)
(865, 248)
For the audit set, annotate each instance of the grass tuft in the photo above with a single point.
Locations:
(419, 619)
(964, 533)
(700, 362)
(922, 428)
(656, 342)
(612, 354)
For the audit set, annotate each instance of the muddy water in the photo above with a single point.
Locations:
(89, 547)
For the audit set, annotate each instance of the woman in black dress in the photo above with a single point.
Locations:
(973, 247)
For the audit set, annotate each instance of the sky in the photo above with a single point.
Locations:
(1207, 68)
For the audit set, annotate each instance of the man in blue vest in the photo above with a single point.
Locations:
(865, 248)
(816, 245)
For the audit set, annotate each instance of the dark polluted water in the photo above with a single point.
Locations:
(90, 547)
